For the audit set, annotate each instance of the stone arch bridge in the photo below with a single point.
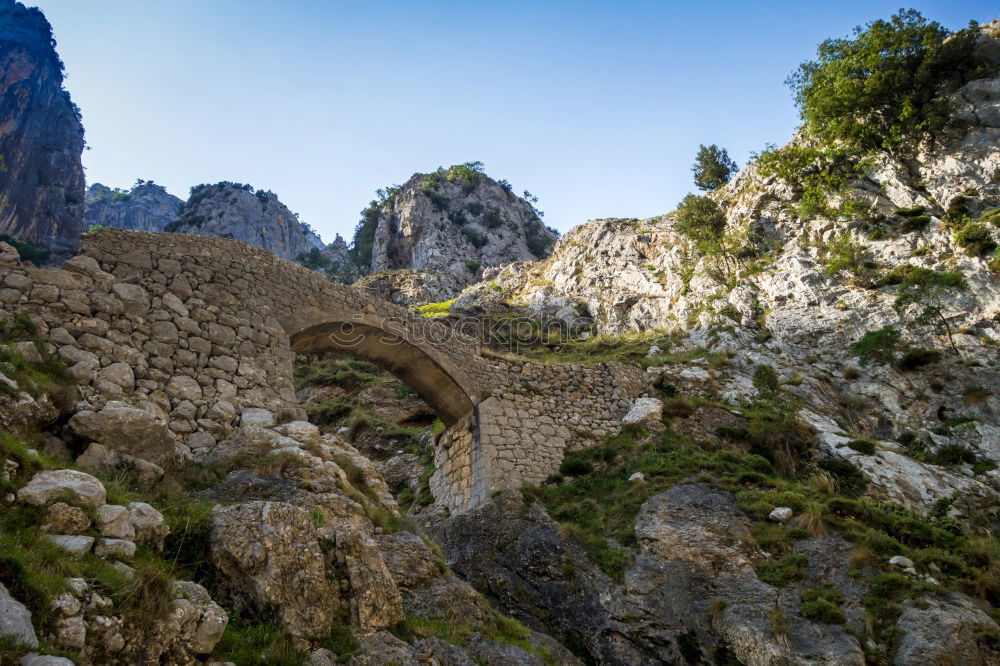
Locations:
(206, 322)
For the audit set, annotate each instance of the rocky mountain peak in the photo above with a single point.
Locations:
(41, 137)
(238, 211)
(451, 222)
(145, 207)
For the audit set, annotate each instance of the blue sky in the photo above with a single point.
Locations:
(595, 107)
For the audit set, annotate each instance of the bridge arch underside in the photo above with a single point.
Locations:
(438, 381)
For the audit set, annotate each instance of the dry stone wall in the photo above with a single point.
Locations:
(195, 329)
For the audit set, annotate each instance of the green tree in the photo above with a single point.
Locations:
(888, 84)
(712, 167)
(928, 289)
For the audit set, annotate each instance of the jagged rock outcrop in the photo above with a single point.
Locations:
(804, 289)
(408, 287)
(692, 594)
(145, 207)
(455, 222)
(41, 137)
(237, 211)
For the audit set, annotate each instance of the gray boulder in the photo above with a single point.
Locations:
(15, 620)
(63, 484)
(949, 630)
(130, 430)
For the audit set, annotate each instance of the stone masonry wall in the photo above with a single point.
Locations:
(194, 329)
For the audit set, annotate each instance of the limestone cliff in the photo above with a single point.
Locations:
(41, 138)
(145, 207)
(452, 222)
(237, 211)
(803, 291)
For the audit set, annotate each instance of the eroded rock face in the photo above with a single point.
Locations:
(952, 630)
(41, 137)
(412, 287)
(145, 207)
(438, 223)
(237, 211)
(694, 546)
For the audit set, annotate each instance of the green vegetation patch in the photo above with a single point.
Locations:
(440, 309)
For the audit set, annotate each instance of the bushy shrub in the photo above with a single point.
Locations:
(822, 604)
(27, 252)
(474, 237)
(817, 171)
(535, 237)
(765, 379)
(492, 218)
(573, 466)
(952, 454)
(863, 446)
(879, 346)
(850, 480)
(917, 357)
(702, 220)
(844, 254)
(974, 238)
(783, 571)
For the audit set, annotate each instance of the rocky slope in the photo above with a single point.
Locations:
(447, 226)
(256, 217)
(41, 137)
(802, 292)
(144, 207)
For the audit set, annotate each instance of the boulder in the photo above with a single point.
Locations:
(258, 417)
(148, 523)
(949, 630)
(186, 634)
(383, 648)
(99, 458)
(120, 374)
(268, 558)
(76, 546)
(64, 484)
(781, 514)
(182, 387)
(15, 620)
(71, 633)
(35, 659)
(644, 409)
(301, 431)
(697, 523)
(65, 519)
(114, 521)
(195, 618)
(375, 601)
(130, 430)
(122, 549)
